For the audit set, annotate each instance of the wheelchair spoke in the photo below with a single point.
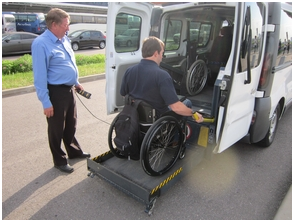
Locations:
(161, 146)
(196, 78)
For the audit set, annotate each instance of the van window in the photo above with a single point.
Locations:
(256, 23)
(285, 40)
(174, 33)
(204, 34)
(127, 32)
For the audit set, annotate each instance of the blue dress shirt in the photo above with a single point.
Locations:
(53, 63)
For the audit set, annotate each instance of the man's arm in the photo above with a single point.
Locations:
(183, 110)
(40, 73)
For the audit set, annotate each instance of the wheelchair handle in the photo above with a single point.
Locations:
(205, 120)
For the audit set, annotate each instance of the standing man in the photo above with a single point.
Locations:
(55, 79)
(148, 82)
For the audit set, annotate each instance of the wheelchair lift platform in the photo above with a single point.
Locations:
(129, 176)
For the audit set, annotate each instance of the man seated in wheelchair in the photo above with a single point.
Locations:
(148, 82)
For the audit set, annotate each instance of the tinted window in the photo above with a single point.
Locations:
(27, 36)
(285, 39)
(15, 37)
(31, 18)
(173, 36)
(256, 23)
(95, 34)
(127, 32)
(86, 35)
(9, 19)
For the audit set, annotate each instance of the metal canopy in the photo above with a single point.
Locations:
(44, 7)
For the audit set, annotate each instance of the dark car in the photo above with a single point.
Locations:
(17, 42)
(87, 39)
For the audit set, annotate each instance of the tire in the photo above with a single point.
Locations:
(75, 46)
(111, 136)
(161, 145)
(270, 135)
(102, 45)
(196, 77)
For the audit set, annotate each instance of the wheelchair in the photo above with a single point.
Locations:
(162, 139)
(191, 71)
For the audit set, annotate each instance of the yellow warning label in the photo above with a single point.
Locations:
(166, 180)
(203, 136)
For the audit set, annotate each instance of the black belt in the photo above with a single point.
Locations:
(61, 85)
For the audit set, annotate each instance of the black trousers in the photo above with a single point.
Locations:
(62, 126)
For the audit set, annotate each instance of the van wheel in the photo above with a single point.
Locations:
(270, 135)
(102, 45)
(75, 46)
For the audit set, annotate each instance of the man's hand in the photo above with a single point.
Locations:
(49, 112)
(79, 87)
(198, 117)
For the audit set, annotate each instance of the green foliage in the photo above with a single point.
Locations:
(13, 78)
(84, 60)
(24, 63)
(7, 67)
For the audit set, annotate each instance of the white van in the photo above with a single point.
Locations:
(245, 50)
(8, 23)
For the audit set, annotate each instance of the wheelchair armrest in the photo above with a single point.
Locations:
(173, 114)
(182, 98)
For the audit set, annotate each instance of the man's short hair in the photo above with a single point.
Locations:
(56, 15)
(151, 45)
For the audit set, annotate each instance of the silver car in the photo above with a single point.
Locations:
(17, 42)
(193, 35)
(130, 37)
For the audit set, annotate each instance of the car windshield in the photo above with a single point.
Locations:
(4, 36)
(75, 33)
(41, 17)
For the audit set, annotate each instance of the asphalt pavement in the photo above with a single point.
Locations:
(33, 189)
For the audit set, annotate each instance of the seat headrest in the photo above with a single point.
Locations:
(226, 30)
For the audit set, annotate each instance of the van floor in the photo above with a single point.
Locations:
(202, 102)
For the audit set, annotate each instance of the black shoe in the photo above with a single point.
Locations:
(65, 168)
(84, 155)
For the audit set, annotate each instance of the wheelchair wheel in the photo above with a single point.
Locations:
(161, 146)
(196, 77)
(111, 144)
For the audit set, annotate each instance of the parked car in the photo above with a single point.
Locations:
(127, 38)
(87, 39)
(193, 35)
(17, 42)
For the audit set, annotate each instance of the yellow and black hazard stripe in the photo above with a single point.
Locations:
(168, 179)
(102, 157)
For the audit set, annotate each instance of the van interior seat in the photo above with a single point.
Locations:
(220, 50)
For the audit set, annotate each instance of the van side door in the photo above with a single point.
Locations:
(240, 78)
(121, 17)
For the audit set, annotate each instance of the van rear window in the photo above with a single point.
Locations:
(127, 32)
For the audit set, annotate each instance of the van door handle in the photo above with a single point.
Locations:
(113, 67)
